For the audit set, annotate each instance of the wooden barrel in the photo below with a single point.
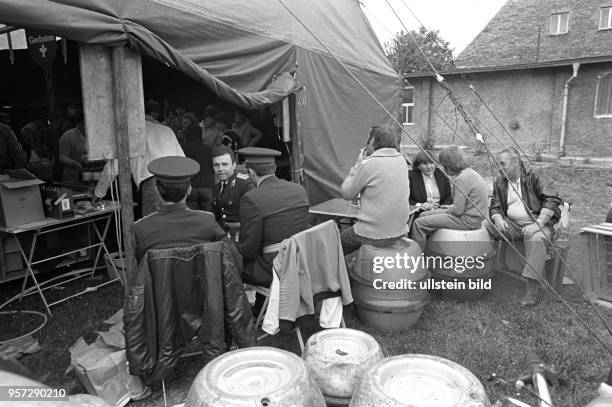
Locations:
(338, 358)
(258, 376)
(461, 257)
(419, 380)
(387, 290)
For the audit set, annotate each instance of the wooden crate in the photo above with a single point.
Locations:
(594, 241)
(554, 268)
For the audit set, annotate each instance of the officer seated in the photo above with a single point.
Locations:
(174, 225)
(230, 189)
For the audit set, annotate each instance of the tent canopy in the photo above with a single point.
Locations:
(239, 50)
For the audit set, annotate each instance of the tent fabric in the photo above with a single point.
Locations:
(243, 50)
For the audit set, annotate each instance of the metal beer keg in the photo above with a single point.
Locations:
(337, 359)
(419, 381)
(258, 376)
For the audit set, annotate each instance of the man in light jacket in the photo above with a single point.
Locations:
(380, 179)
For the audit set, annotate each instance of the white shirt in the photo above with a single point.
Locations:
(431, 187)
(516, 209)
(160, 142)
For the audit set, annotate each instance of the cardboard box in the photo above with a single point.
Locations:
(20, 200)
(10, 245)
(13, 262)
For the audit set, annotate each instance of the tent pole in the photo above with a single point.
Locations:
(120, 87)
(297, 147)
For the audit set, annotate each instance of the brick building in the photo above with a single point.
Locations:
(520, 65)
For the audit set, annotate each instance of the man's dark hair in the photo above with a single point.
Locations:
(262, 169)
(453, 159)
(193, 132)
(211, 111)
(193, 119)
(222, 150)
(382, 137)
(422, 158)
(172, 192)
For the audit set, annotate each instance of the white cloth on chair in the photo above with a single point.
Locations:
(271, 322)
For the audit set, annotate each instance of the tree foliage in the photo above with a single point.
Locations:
(406, 57)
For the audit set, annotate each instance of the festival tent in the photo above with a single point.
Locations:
(242, 51)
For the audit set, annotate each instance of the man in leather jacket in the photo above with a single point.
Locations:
(532, 221)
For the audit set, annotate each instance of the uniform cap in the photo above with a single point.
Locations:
(174, 169)
(258, 155)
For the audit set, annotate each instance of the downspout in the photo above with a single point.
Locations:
(575, 66)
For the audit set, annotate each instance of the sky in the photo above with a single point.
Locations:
(459, 21)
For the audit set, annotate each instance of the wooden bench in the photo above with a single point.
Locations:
(595, 252)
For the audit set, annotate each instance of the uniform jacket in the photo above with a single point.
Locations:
(226, 206)
(272, 212)
(538, 194)
(178, 293)
(11, 153)
(175, 225)
(418, 194)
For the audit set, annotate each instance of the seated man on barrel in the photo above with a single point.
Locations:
(470, 198)
(524, 207)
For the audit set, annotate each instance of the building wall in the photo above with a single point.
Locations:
(520, 34)
(528, 103)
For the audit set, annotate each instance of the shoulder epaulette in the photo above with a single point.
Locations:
(242, 176)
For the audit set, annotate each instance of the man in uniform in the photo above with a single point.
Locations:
(230, 189)
(274, 211)
(174, 225)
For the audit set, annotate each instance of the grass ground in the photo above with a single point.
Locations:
(486, 336)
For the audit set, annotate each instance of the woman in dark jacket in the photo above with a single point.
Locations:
(429, 188)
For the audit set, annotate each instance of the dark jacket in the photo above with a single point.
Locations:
(12, 154)
(272, 212)
(175, 225)
(226, 205)
(202, 153)
(178, 293)
(537, 190)
(418, 194)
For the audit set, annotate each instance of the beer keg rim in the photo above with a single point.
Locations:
(248, 358)
(467, 386)
(328, 335)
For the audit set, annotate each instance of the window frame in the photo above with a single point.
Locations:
(408, 106)
(599, 78)
(558, 23)
(609, 17)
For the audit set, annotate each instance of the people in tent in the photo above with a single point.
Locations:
(273, 211)
(203, 182)
(229, 137)
(33, 135)
(229, 190)
(429, 187)
(160, 142)
(211, 136)
(249, 135)
(188, 119)
(12, 154)
(380, 179)
(470, 199)
(72, 151)
(525, 206)
(174, 225)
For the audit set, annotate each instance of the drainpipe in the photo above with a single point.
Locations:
(575, 66)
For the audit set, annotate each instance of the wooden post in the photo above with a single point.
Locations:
(120, 86)
(297, 147)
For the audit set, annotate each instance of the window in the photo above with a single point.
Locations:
(603, 96)
(605, 18)
(408, 105)
(559, 23)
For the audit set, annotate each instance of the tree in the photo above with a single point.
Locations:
(406, 57)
